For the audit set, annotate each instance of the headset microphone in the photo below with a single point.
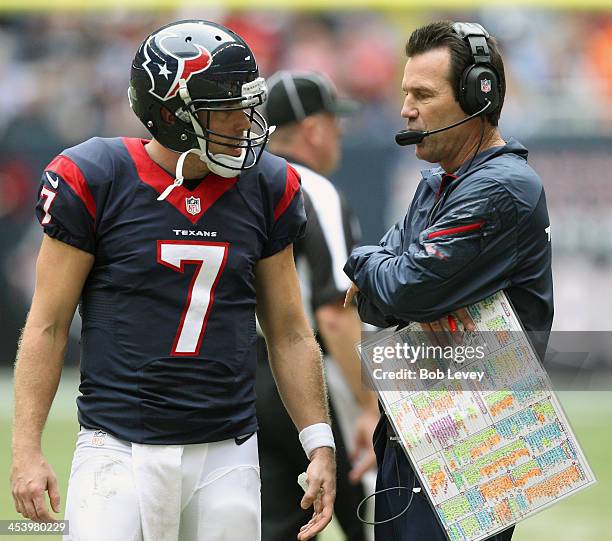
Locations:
(414, 137)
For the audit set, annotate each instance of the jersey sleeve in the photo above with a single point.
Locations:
(66, 208)
(289, 216)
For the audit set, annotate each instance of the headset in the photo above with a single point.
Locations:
(479, 81)
(479, 85)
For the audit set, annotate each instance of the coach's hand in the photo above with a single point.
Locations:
(448, 324)
(31, 477)
(350, 294)
(321, 491)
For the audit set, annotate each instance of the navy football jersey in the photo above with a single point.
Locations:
(167, 352)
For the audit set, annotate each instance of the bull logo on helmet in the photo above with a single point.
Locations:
(166, 69)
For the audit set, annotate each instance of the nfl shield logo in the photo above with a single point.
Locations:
(98, 438)
(485, 85)
(193, 205)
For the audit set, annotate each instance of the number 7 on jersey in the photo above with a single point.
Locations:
(209, 259)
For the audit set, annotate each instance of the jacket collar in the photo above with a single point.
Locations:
(434, 175)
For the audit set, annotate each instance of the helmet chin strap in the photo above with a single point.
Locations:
(212, 166)
(178, 181)
(223, 159)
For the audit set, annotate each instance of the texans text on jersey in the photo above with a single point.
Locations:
(194, 233)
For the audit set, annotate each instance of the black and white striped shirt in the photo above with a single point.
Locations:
(331, 233)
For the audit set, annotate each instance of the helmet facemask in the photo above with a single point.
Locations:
(253, 141)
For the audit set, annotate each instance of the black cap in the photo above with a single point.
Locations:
(292, 96)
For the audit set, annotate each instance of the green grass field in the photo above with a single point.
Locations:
(584, 517)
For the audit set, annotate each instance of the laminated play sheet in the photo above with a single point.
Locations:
(478, 420)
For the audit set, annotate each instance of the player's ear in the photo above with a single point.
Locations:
(167, 116)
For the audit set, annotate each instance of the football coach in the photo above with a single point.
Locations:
(477, 224)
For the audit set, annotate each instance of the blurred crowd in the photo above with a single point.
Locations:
(64, 77)
(66, 74)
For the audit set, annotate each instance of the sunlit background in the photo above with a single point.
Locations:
(64, 68)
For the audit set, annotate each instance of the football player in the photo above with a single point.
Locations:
(169, 246)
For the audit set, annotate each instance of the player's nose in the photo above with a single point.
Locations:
(242, 121)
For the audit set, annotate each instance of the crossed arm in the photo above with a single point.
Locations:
(467, 254)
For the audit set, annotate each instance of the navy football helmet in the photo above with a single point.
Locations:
(192, 66)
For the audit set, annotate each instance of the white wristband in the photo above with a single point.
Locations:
(315, 436)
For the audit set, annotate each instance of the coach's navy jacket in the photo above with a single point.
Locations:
(464, 238)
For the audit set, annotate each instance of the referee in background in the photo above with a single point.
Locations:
(304, 107)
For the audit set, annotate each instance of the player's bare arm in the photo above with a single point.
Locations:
(61, 271)
(340, 329)
(295, 360)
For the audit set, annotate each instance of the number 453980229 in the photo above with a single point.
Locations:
(209, 259)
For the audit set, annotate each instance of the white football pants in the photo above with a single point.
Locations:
(119, 491)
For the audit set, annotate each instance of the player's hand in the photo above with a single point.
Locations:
(31, 477)
(321, 491)
(362, 455)
(350, 294)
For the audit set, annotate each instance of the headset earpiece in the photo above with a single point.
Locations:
(478, 85)
(479, 82)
